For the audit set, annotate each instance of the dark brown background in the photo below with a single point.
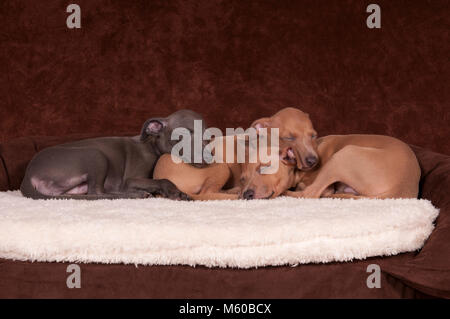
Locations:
(233, 61)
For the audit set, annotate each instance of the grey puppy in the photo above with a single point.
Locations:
(108, 167)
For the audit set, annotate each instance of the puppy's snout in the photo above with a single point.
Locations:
(311, 161)
(249, 194)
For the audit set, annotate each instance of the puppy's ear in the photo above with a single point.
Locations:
(261, 123)
(287, 156)
(152, 127)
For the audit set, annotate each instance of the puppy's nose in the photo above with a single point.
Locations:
(249, 194)
(311, 160)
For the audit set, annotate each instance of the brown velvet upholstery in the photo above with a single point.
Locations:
(233, 61)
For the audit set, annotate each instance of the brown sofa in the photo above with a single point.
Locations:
(233, 61)
(417, 274)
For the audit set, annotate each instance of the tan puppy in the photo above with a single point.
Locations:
(214, 181)
(350, 165)
(296, 129)
(347, 170)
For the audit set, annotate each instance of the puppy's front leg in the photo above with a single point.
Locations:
(234, 190)
(308, 192)
(297, 194)
(214, 196)
(161, 187)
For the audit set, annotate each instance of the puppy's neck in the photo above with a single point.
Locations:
(150, 142)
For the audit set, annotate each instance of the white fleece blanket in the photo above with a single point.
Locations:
(240, 234)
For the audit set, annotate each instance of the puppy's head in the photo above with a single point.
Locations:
(159, 131)
(264, 181)
(295, 130)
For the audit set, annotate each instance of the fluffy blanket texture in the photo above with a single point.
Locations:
(240, 234)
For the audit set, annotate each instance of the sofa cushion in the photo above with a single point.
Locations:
(429, 270)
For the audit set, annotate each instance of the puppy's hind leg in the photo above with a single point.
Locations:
(81, 186)
(320, 186)
(355, 166)
(97, 168)
(55, 187)
(339, 168)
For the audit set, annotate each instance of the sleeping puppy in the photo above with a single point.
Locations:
(212, 182)
(108, 167)
(256, 185)
(358, 165)
(296, 129)
(373, 166)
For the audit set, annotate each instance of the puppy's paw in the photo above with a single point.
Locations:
(177, 195)
(185, 197)
(140, 195)
(169, 190)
